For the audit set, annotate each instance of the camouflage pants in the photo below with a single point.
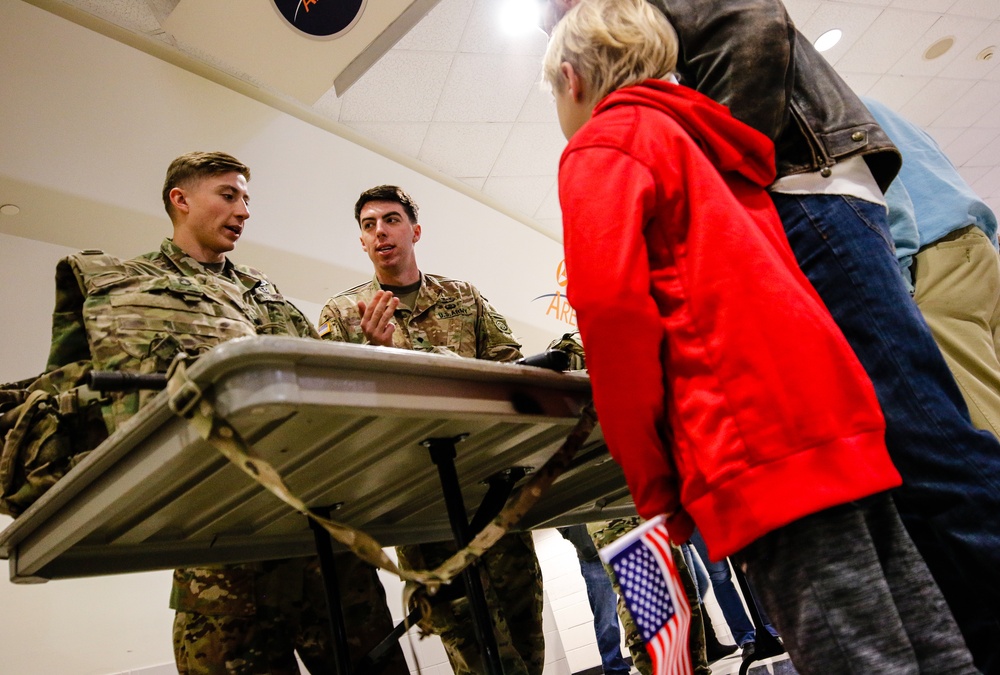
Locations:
(513, 585)
(249, 619)
(605, 533)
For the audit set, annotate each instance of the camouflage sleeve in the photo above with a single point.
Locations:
(333, 324)
(494, 339)
(295, 323)
(69, 335)
(299, 324)
(284, 318)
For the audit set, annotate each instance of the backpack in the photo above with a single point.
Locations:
(48, 425)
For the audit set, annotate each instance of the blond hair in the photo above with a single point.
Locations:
(611, 44)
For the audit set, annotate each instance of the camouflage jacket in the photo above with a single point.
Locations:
(448, 315)
(137, 315)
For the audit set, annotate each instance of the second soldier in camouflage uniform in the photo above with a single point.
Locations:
(404, 308)
(136, 316)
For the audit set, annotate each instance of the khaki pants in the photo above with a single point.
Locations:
(957, 280)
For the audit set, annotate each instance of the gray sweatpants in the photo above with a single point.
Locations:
(849, 593)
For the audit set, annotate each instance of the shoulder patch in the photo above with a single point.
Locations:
(324, 328)
(500, 322)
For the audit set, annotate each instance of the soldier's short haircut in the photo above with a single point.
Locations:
(611, 44)
(386, 193)
(196, 165)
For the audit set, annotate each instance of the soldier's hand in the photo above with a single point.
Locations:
(376, 318)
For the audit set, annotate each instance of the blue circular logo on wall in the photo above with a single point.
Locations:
(321, 18)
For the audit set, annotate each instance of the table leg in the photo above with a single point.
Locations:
(324, 549)
(443, 455)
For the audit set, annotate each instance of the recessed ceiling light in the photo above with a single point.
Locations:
(939, 48)
(828, 39)
(10, 209)
(986, 54)
(518, 17)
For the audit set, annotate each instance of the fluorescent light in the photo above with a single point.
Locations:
(828, 39)
(518, 17)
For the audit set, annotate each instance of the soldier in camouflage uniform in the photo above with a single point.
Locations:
(607, 532)
(136, 316)
(404, 308)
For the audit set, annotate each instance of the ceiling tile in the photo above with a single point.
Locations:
(133, 15)
(993, 203)
(985, 9)
(965, 65)
(539, 106)
(476, 182)
(963, 29)
(487, 88)
(986, 153)
(401, 137)
(401, 87)
(464, 148)
(896, 91)
(523, 193)
(972, 174)
(329, 104)
(861, 83)
(877, 3)
(978, 104)
(531, 150)
(440, 30)
(883, 44)
(549, 208)
(938, 6)
(963, 150)
(853, 20)
(944, 135)
(989, 184)
(482, 35)
(931, 102)
(801, 10)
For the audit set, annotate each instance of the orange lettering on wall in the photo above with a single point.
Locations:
(554, 305)
(561, 273)
(306, 3)
(561, 310)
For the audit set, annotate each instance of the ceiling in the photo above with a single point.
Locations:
(458, 95)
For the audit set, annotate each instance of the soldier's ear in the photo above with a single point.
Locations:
(179, 199)
(416, 233)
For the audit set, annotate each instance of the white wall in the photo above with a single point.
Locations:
(87, 127)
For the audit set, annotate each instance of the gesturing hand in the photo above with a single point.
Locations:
(376, 318)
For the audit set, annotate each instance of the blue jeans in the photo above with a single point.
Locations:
(728, 597)
(950, 498)
(603, 603)
(602, 597)
(698, 571)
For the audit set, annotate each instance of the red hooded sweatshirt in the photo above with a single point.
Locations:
(723, 386)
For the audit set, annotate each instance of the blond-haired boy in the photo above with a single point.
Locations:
(724, 388)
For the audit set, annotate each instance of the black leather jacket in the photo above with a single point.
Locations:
(747, 55)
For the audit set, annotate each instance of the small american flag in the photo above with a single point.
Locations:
(654, 594)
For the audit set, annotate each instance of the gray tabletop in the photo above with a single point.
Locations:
(343, 424)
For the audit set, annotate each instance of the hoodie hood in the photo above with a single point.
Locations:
(731, 146)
